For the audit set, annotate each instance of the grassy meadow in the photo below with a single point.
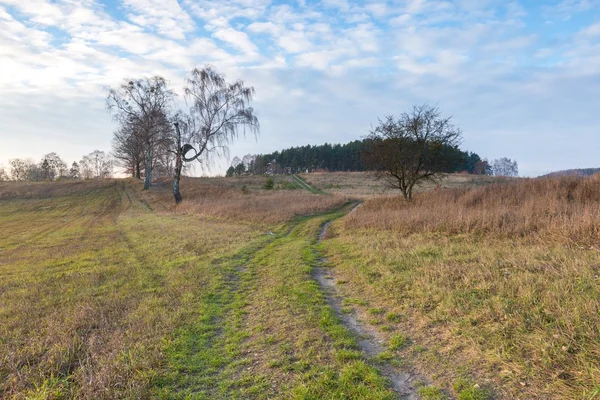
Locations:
(107, 292)
(497, 284)
(363, 185)
(488, 289)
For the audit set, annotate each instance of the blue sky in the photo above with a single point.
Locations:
(521, 78)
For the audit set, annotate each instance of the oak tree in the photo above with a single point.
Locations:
(417, 146)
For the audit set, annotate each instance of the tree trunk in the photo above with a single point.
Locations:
(148, 167)
(138, 172)
(178, 166)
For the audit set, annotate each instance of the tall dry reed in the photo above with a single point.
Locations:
(558, 207)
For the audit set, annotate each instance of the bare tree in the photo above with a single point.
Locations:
(482, 167)
(248, 161)
(418, 146)
(142, 109)
(20, 169)
(53, 167)
(236, 161)
(74, 171)
(129, 148)
(96, 165)
(505, 167)
(219, 111)
(3, 174)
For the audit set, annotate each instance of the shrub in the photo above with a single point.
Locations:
(269, 183)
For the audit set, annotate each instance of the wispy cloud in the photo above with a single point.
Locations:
(513, 73)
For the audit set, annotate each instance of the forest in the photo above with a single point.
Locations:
(340, 157)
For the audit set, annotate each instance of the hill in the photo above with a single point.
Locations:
(575, 172)
(363, 184)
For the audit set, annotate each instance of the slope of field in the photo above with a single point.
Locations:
(575, 172)
(106, 292)
(498, 285)
(363, 184)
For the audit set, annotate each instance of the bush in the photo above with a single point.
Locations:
(269, 183)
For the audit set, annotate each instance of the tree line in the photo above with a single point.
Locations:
(419, 145)
(343, 157)
(51, 167)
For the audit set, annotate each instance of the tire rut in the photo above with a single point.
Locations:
(369, 340)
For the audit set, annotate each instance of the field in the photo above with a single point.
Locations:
(479, 289)
(363, 185)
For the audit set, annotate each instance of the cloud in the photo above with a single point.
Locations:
(165, 16)
(237, 39)
(323, 71)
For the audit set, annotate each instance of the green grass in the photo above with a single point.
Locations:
(301, 183)
(431, 393)
(468, 390)
(103, 297)
(93, 286)
(398, 342)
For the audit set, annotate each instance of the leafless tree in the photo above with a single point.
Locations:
(3, 174)
(52, 167)
(74, 171)
(21, 169)
(97, 164)
(129, 148)
(417, 146)
(482, 167)
(248, 161)
(219, 112)
(142, 109)
(505, 167)
(236, 161)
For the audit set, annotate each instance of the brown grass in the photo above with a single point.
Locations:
(561, 208)
(40, 190)
(498, 282)
(206, 197)
(364, 185)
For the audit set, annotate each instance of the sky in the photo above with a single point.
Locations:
(520, 78)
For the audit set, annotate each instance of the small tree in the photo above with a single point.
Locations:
(505, 167)
(20, 169)
(418, 146)
(3, 174)
(52, 167)
(141, 106)
(230, 172)
(74, 171)
(270, 183)
(96, 165)
(46, 169)
(218, 112)
(240, 169)
(482, 168)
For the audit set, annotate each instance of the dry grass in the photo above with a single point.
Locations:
(364, 185)
(224, 198)
(105, 294)
(500, 282)
(39, 190)
(91, 286)
(548, 208)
